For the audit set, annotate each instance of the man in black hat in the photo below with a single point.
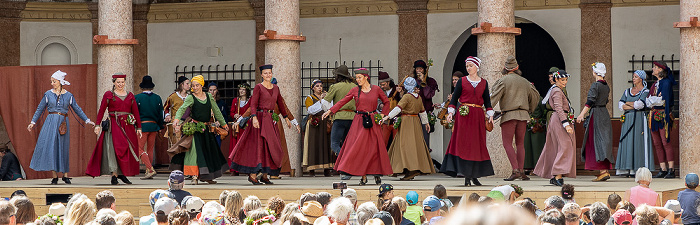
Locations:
(151, 112)
(343, 118)
(428, 88)
(388, 86)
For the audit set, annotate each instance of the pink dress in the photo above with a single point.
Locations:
(643, 195)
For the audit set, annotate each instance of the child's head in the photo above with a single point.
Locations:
(567, 191)
(691, 180)
(613, 199)
(412, 197)
(440, 191)
(386, 191)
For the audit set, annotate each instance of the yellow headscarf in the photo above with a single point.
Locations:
(199, 79)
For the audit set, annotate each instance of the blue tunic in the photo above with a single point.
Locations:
(635, 149)
(51, 152)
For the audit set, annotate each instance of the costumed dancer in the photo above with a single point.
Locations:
(52, 148)
(409, 154)
(151, 112)
(557, 158)
(213, 90)
(536, 134)
(342, 120)
(389, 88)
(467, 153)
(661, 118)
(239, 106)
(596, 150)
(364, 151)
(317, 140)
(261, 152)
(442, 115)
(428, 88)
(115, 152)
(172, 104)
(204, 161)
(517, 98)
(635, 146)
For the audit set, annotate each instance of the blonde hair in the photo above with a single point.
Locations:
(125, 218)
(82, 211)
(646, 215)
(223, 197)
(401, 202)
(233, 203)
(251, 203)
(289, 210)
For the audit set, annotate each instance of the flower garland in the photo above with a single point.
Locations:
(315, 121)
(658, 116)
(535, 124)
(190, 128)
(397, 122)
(378, 118)
(463, 110)
(571, 118)
(450, 125)
(275, 117)
(622, 118)
(56, 219)
(432, 119)
(267, 219)
(130, 119)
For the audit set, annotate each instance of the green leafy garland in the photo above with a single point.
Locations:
(378, 118)
(190, 128)
(267, 219)
(432, 119)
(56, 219)
(463, 110)
(275, 117)
(397, 122)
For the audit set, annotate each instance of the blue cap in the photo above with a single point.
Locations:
(412, 197)
(691, 179)
(433, 202)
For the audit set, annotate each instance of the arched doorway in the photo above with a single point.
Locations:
(535, 50)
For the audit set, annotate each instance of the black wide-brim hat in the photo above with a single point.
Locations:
(342, 70)
(420, 63)
(147, 82)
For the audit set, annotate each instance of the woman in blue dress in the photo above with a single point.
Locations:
(51, 151)
(635, 149)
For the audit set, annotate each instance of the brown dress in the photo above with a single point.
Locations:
(408, 151)
(558, 154)
(317, 140)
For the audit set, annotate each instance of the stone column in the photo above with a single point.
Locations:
(92, 6)
(413, 34)
(689, 145)
(9, 25)
(115, 21)
(596, 45)
(283, 16)
(493, 49)
(259, 17)
(140, 50)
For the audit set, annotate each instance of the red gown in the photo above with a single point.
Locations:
(260, 150)
(236, 109)
(123, 135)
(364, 151)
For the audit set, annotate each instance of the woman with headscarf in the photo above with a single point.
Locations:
(239, 106)
(204, 161)
(364, 151)
(557, 158)
(661, 116)
(467, 153)
(173, 103)
(408, 153)
(596, 150)
(51, 152)
(635, 147)
(317, 140)
(261, 152)
(117, 146)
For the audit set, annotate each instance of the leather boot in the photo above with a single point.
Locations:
(671, 174)
(514, 175)
(661, 174)
(523, 176)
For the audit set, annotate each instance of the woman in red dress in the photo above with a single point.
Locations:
(239, 106)
(467, 153)
(364, 151)
(117, 146)
(261, 151)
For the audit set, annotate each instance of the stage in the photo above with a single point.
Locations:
(134, 198)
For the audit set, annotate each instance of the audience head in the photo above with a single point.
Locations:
(192, 205)
(374, 222)
(440, 191)
(553, 216)
(412, 197)
(567, 191)
(223, 196)
(586, 216)
(474, 197)
(297, 219)
(691, 180)
(339, 210)
(394, 210)
(276, 204)
(74, 198)
(125, 218)
(485, 200)
(163, 207)
(178, 217)
(600, 214)
(432, 204)
(626, 206)
(351, 194)
(7, 213)
(176, 181)
(527, 206)
(251, 203)
(613, 199)
(57, 209)
(403, 205)
(675, 206)
(290, 209)
(386, 191)
(622, 217)
(324, 198)
(18, 193)
(157, 194)
(646, 215)
(366, 211)
(312, 210)
(643, 175)
(106, 217)
(307, 197)
(554, 202)
(46, 220)
(81, 211)
(233, 203)
(385, 216)
(213, 207)
(25, 209)
(214, 218)
(105, 199)
(572, 212)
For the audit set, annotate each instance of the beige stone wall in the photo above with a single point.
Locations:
(76, 36)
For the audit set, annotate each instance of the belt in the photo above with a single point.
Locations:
(598, 106)
(361, 112)
(62, 114)
(148, 121)
(263, 110)
(205, 123)
(116, 113)
(405, 114)
(472, 105)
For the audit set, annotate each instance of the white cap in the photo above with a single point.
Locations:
(599, 68)
(57, 209)
(60, 76)
(350, 194)
(165, 204)
(192, 204)
(674, 205)
(212, 207)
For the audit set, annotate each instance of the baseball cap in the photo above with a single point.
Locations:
(384, 188)
(433, 202)
(350, 194)
(622, 217)
(157, 194)
(412, 197)
(192, 204)
(384, 216)
(674, 205)
(165, 204)
(691, 179)
(177, 177)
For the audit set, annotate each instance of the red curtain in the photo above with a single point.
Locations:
(21, 89)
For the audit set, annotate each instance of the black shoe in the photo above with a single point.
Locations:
(54, 180)
(254, 181)
(377, 180)
(114, 180)
(327, 173)
(345, 177)
(124, 179)
(476, 182)
(363, 181)
(553, 181)
(671, 174)
(559, 182)
(66, 180)
(661, 174)
(467, 182)
(266, 180)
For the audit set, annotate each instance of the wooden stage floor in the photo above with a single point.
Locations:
(134, 198)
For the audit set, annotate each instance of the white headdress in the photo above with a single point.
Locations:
(60, 76)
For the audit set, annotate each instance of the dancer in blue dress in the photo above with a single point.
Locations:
(51, 151)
